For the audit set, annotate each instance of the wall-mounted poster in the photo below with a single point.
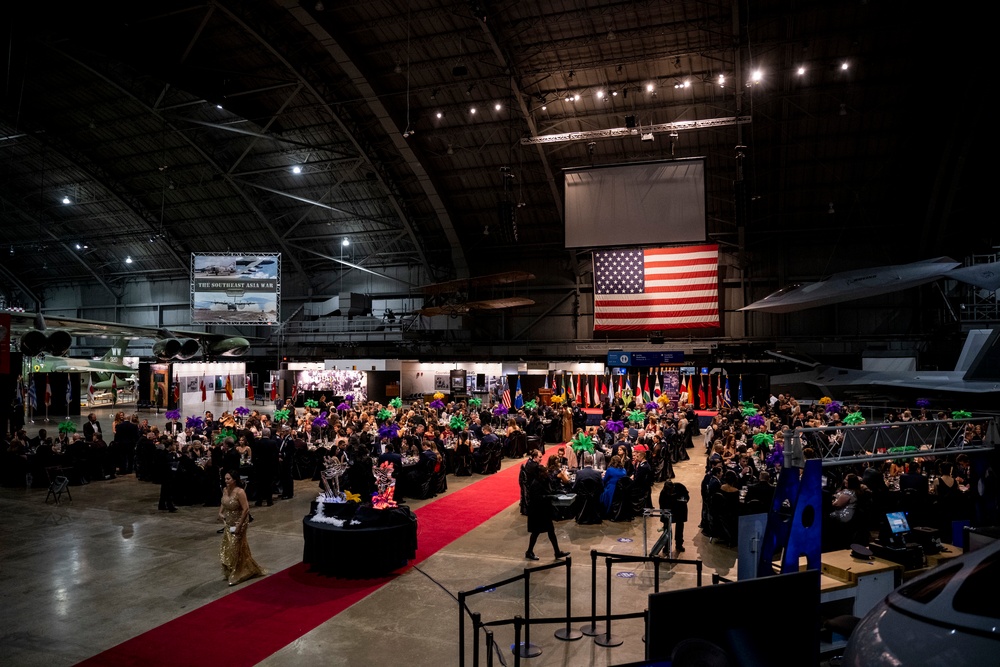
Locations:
(334, 383)
(235, 288)
(159, 374)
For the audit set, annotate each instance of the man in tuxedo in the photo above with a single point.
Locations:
(286, 462)
(126, 435)
(528, 472)
(265, 465)
(90, 427)
(643, 475)
(173, 427)
(487, 444)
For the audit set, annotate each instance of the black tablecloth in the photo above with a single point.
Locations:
(384, 541)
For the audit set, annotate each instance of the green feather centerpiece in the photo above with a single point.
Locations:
(854, 418)
(582, 443)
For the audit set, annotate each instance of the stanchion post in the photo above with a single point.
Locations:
(476, 624)
(568, 633)
(489, 648)
(591, 629)
(698, 570)
(527, 649)
(607, 639)
(656, 576)
(518, 622)
(461, 629)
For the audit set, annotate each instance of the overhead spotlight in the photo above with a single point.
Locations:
(843, 65)
(687, 83)
(67, 200)
(544, 107)
(756, 76)
(576, 98)
(600, 94)
(319, 6)
(722, 79)
(85, 246)
(218, 106)
(649, 87)
(296, 169)
(128, 260)
(345, 242)
(614, 93)
(78, 246)
(472, 110)
(152, 239)
(486, 230)
(567, 99)
(171, 186)
(439, 115)
(497, 106)
(801, 70)
(831, 211)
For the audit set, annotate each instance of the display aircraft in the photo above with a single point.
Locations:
(862, 283)
(257, 267)
(976, 375)
(455, 297)
(48, 339)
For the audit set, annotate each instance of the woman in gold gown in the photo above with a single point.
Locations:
(237, 562)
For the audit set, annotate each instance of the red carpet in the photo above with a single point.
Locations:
(268, 614)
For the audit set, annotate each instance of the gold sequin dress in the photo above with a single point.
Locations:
(237, 562)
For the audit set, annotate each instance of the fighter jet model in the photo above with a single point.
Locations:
(975, 375)
(863, 283)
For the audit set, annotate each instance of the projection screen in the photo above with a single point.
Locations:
(650, 203)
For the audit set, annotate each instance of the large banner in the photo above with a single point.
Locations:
(235, 288)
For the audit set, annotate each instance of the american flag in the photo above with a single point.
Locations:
(656, 288)
(505, 396)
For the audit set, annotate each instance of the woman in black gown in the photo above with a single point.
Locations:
(540, 512)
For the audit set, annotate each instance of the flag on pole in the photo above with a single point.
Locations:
(597, 394)
(505, 393)
(518, 396)
(701, 391)
(571, 392)
(295, 391)
(621, 387)
(19, 392)
(177, 393)
(250, 393)
(229, 387)
(726, 400)
(638, 289)
(682, 397)
(627, 394)
(718, 391)
(48, 391)
(604, 387)
(562, 385)
(32, 397)
(274, 389)
(577, 393)
(657, 390)
(546, 379)
(646, 396)
(204, 391)
(739, 390)
(114, 389)
(69, 389)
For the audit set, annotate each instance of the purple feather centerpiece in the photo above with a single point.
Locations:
(343, 406)
(321, 421)
(173, 415)
(194, 422)
(349, 398)
(437, 404)
(651, 405)
(500, 410)
(241, 411)
(615, 427)
(755, 420)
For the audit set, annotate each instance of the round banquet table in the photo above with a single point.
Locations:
(383, 541)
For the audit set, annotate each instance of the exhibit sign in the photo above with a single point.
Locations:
(235, 288)
(636, 359)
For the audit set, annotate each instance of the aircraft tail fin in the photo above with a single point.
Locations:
(117, 351)
(980, 357)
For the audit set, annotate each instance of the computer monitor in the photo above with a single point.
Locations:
(898, 525)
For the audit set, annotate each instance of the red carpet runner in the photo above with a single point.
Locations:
(271, 613)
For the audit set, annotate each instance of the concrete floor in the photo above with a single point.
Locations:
(82, 576)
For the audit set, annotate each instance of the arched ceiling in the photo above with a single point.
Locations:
(173, 127)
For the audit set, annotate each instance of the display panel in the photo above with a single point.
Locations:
(636, 204)
(897, 522)
(334, 383)
(235, 288)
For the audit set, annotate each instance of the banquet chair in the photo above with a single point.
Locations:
(463, 460)
(58, 485)
(621, 502)
(518, 444)
(496, 458)
(588, 495)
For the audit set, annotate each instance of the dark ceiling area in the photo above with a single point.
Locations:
(287, 125)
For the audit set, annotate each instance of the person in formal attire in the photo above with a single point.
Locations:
(914, 479)
(126, 435)
(90, 427)
(165, 461)
(674, 496)
(265, 465)
(526, 475)
(567, 423)
(643, 475)
(615, 472)
(237, 562)
(286, 463)
(540, 512)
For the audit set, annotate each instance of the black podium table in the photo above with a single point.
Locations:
(383, 541)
